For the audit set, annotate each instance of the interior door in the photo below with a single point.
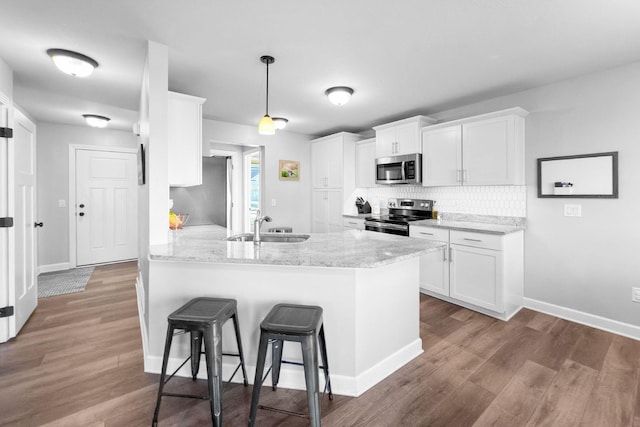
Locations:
(106, 206)
(25, 283)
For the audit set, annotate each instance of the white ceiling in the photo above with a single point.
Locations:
(402, 58)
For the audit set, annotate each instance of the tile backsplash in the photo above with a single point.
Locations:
(504, 200)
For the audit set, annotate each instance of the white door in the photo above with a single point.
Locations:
(25, 284)
(106, 206)
(6, 232)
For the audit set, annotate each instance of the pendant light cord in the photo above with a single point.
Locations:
(267, 102)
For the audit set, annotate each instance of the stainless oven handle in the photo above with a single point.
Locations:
(385, 225)
(403, 166)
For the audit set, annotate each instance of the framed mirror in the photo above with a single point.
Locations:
(580, 176)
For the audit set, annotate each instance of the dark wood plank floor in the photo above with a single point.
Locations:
(78, 362)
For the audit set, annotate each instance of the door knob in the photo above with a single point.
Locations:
(81, 205)
(81, 214)
(38, 224)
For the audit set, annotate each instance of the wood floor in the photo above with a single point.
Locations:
(78, 362)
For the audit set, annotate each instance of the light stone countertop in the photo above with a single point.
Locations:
(348, 249)
(478, 227)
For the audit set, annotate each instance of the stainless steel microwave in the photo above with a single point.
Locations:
(405, 169)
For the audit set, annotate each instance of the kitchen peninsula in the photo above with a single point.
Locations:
(366, 282)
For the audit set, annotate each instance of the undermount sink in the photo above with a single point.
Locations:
(270, 237)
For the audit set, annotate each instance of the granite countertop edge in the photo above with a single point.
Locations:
(476, 227)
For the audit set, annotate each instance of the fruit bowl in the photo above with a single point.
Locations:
(177, 221)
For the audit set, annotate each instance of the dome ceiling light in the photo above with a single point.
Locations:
(339, 95)
(96, 121)
(72, 63)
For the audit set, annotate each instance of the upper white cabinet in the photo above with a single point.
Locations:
(333, 177)
(401, 137)
(480, 150)
(366, 163)
(184, 122)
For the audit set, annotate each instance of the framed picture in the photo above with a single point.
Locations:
(141, 165)
(289, 170)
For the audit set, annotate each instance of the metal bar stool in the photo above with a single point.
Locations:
(299, 323)
(203, 319)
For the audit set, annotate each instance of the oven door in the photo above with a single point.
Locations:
(387, 227)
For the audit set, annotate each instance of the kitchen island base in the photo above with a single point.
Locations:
(371, 315)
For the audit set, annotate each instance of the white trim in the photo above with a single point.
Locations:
(609, 325)
(143, 326)
(53, 267)
(72, 190)
(293, 378)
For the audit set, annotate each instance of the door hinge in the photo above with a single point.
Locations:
(6, 133)
(6, 221)
(6, 311)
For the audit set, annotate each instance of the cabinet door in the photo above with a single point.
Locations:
(319, 165)
(442, 156)
(434, 271)
(334, 211)
(319, 211)
(184, 134)
(353, 223)
(407, 139)
(366, 164)
(476, 276)
(334, 158)
(487, 155)
(385, 142)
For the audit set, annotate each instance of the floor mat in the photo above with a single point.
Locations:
(63, 282)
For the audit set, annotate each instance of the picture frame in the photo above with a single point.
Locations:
(141, 168)
(584, 176)
(289, 170)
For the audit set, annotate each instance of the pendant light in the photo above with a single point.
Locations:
(72, 63)
(266, 126)
(280, 122)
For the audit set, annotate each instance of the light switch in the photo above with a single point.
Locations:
(273, 202)
(62, 203)
(572, 210)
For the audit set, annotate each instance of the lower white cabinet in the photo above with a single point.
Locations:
(480, 271)
(326, 208)
(350, 223)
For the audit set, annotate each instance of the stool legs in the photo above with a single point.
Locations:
(257, 382)
(310, 360)
(325, 361)
(213, 352)
(276, 362)
(236, 325)
(196, 349)
(165, 361)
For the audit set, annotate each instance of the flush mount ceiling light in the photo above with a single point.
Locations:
(96, 121)
(266, 125)
(280, 122)
(339, 95)
(72, 63)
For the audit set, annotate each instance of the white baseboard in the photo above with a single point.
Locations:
(609, 325)
(54, 267)
(293, 378)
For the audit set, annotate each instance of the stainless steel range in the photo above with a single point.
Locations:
(401, 213)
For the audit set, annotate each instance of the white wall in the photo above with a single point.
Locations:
(590, 263)
(53, 181)
(293, 198)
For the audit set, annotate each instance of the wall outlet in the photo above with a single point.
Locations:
(572, 210)
(62, 203)
(635, 294)
(273, 202)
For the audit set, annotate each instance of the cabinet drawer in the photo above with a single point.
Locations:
(429, 233)
(353, 223)
(478, 240)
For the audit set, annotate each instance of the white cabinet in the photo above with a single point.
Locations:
(327, 211)
(483, 272)
(350, 223)
(400, 137)
(366, 163)
(184, 123)
(333, 176)
(480, 150)
(434, 266)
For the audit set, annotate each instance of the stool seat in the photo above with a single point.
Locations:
(298, 323)
(293, 319)
(203, 318)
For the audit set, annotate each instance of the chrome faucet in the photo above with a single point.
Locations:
(257, 223)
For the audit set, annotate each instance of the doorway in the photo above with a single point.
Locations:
(103, 198)
(253, 186)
